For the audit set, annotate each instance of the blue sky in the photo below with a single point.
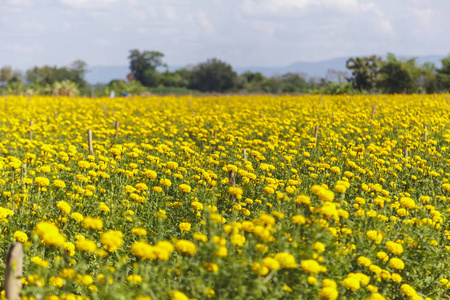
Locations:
(240, 32)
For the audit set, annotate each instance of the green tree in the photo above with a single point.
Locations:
(144, 66)
(399, 76)
(365, 72)
(428, 78)
(293, 83)
(6, 74)
(443, 74)
(213, 76)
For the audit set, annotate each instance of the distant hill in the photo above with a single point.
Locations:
(319, 69)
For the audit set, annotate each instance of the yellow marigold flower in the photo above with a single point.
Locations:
(186, 247)
(303, 199)
(197, 205)
(407, 202)
(93, 223)
(56, 281)
(394, 248)
(200, 237)
(67, 273)
(396, 277)
(312, 280)
(351, 283)
(165, 182)
(86, 245)
(20, 236)
(103, 207)
(222, 251)
(70, 248)
(185, 226)
(50, 234)
(42, 181)
(237, 239)
(40, 262)
(269, 190)
(286, 260)
(84, 164)
(112, 240)
(211, 267)
(150, 174)
(328, 293)
(310, 266)
(177, 295)
(184, 188)
(134, 279)
(64, 207)
(59, 184)
(271, 263)
(364, 261)
(139, 231)
(84, 279)
(319, 247)
(77, 217)
(141, 187)
(396, 263)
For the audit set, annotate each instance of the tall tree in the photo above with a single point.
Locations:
(213, 76)
(6, 73)
(443, 74)
(399, 76)
(144, 66)
(364, 72)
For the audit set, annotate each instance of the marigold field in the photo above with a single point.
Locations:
(229, 197)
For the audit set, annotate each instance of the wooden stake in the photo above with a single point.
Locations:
(374, 107)
(215, 134)
(105, 112)
(425, 133)
(244, 154)
(13, 271)
(116, 127)
(260, 113)
(30, 133)
(232, 178)
(91, 147)
(316, 132)
(405, 153)
(193, 113)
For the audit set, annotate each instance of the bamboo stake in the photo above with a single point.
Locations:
(13, 271)
(91, 147)
(116, 127)
(30, 133)
(232, 178)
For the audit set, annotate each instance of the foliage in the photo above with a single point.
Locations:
(443, 74)
(213, 76)
(399, 76)
(143, 66)
(364, 72)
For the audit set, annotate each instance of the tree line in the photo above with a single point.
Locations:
(150, 74)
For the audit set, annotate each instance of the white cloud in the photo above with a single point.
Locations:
(89, 4)
(203, 21)
(296, 7)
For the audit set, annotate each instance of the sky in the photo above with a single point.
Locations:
(240, 32)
